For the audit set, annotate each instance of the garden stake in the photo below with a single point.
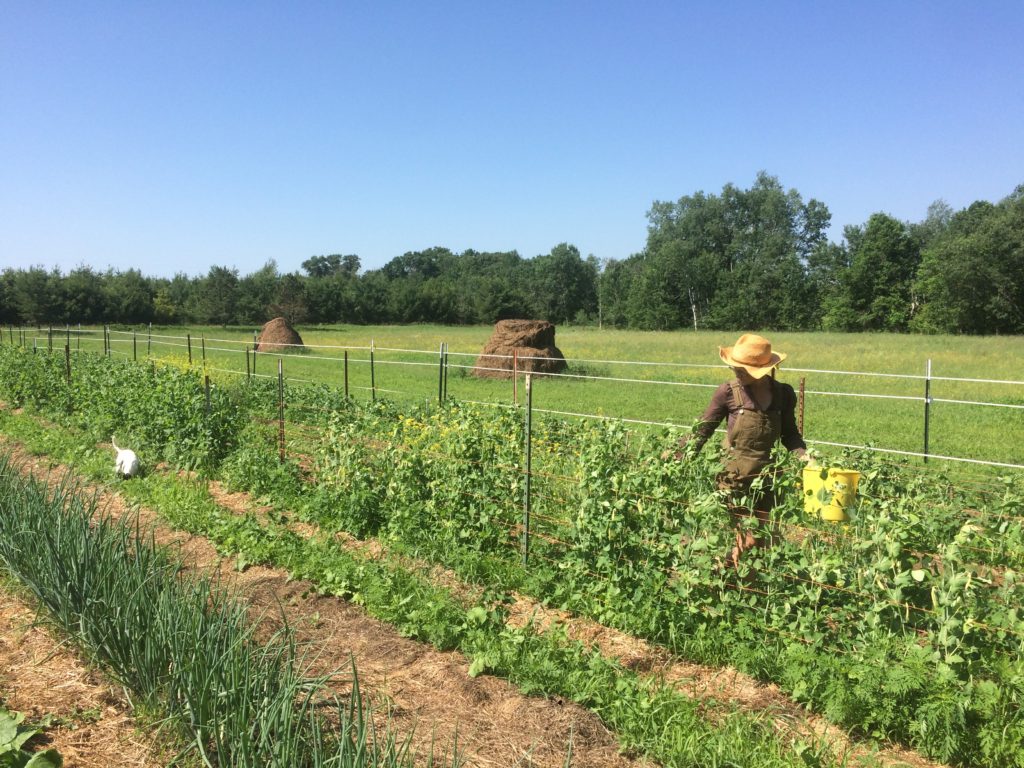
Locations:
(529, 463)
(346, 374)
(203, 339)
(135, 352)
(254, 347)
(248, 373)
(49, 339)
(149, 340)
(206, 387)
(188, 336)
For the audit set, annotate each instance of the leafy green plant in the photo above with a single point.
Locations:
(14, 734)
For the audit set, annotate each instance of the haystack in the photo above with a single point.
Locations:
(531, 341)
(279, 336)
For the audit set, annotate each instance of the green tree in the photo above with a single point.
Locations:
(257, 292)
(290, 302)
(564, 285)
(735, 260)
(971, 279)
(877, 288)
(216, 295)
(129, 297)
(37, 295)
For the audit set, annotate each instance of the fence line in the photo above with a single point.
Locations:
(244, 346)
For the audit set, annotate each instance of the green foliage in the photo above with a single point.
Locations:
(182, 644)
(14, 733)
(162, 412)
(902, 624)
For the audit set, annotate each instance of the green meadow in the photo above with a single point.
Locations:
(861, 389)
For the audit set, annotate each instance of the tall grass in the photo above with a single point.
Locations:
(182, 645)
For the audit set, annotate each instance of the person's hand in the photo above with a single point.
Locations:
(805, 457)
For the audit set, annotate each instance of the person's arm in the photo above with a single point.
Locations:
(717, 410)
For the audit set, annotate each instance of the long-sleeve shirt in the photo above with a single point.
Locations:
(723, 406)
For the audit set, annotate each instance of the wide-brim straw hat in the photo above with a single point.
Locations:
(753, 353)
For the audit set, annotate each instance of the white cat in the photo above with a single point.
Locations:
(126, 463)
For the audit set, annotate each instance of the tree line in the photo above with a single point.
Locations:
(755, 258)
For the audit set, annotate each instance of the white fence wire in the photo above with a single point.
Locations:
(133, 340)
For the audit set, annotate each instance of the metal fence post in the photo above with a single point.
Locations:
(280, 410)
(446, 370)
(346, 374)
(188, 337)
(248, 373)
(135, 350)
(927, 405)
(528, 450)
(203, 339)
(440, 373)
(149, 340)
(373, 380)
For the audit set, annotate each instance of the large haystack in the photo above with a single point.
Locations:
(531, 341)
(279, 336)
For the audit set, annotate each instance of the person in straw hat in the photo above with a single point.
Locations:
(759, 412)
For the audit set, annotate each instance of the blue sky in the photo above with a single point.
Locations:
(172, 136)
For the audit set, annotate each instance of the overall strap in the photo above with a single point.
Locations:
(737, 397)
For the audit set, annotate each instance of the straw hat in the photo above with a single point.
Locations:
(752, 352)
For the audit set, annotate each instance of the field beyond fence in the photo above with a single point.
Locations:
(921, 397)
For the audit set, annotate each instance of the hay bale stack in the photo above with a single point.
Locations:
(532, 340)
(279, 336)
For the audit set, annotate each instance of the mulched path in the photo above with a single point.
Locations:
(40, 676)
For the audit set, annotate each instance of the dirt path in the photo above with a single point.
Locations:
(40, 676)
(425, 692)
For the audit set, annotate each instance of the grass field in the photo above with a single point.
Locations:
(862, 389)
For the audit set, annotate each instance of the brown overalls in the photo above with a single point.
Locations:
(748, 445)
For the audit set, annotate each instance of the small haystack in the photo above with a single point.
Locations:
(532, 341)
(279, 336)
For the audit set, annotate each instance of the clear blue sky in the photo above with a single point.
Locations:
(172, 136)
